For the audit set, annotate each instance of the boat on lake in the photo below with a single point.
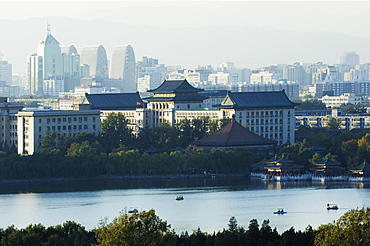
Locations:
(133, 211)
(280, 211)
(179, 198)
(331, 206)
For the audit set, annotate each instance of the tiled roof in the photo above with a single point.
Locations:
(192, 97)
(327, 162)
(114, 100)
(364, 167)
(175, 86)
(233, 134)
(256, 100)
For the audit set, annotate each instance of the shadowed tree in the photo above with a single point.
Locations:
(138, 229)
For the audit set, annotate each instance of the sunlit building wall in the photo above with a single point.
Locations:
(96, 58)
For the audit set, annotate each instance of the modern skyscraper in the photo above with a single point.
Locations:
(123, 66)
(50, 51)
(96, 58)
(350, 58)
(70, 62)
(35, 75)
(5, 72)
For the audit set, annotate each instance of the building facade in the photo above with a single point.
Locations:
(32, 126)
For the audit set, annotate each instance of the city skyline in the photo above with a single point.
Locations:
(151, 27)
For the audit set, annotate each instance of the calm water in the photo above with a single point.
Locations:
(208, 204)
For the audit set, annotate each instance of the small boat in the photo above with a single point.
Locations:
(133, 211)
(280, 211)
(331, 206)
(179, 198)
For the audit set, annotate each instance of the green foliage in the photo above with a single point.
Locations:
(311, 104)
(138, 229)
(115, 131)
(333, 123)
(68, 234)
(353, 109)
(353, 228)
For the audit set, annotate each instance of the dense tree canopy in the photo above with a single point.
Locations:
(353, 228)
(136, 229)
(311, 104)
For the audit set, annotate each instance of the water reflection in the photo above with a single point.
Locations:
(208, 203)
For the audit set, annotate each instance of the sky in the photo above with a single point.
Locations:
(18, 10)
(345, 17)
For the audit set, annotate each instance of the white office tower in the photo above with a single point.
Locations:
(350, 58)
(96, 58)
(50, 51)
(5, 72)
(35, 75)
(70, 62)
(123, 66)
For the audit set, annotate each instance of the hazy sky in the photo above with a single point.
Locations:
(343, 17)
(17, 10)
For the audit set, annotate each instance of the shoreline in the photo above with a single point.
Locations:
(121, 177)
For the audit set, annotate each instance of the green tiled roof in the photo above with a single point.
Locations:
(113, 100)
(175, 86)
(256, 100)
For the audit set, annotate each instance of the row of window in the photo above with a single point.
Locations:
(64, 128)
(70, 119)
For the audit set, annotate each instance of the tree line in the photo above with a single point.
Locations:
(147, 229)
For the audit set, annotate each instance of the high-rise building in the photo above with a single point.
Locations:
(295, 73)
(96, 58)
(35, 75)
(6, 72)
(123, 66)
(350, 58)
(70, 62)
(50, 52)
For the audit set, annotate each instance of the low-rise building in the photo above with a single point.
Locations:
(32, 126)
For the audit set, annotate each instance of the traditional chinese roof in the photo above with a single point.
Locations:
(327, 162)
(363, 167)
(233, 135)
(113, 101)
(177, 98)
(256, 100)
(175, 86)
(327, 166)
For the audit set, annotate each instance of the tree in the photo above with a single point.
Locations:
(138, 229)
(350, 108)
(353, 228)
(233, 224)
(114, 131)
(333, 123)
(311, 104)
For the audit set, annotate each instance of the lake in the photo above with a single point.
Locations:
(208, 203)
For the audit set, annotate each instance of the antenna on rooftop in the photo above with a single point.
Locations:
(48, 27)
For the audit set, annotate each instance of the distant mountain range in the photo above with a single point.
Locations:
(246, 46)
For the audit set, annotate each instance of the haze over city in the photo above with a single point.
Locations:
(249, 33)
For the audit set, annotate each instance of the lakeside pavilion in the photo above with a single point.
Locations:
(281, 166)
(327, 167)
(362, 170)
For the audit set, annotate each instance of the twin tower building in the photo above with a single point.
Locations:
(56, 68)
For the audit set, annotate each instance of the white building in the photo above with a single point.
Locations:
(96, 58)
(35, 77)
(52, 87)
(33, 125)
(123, 66)
(345, 98)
